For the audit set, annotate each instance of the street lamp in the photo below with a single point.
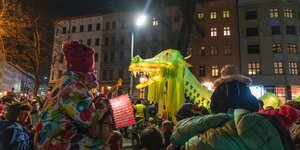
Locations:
(140, 21)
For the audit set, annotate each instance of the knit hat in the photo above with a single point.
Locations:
(229, 70)
(80, 58)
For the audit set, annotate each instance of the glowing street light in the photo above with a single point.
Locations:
(140, 21)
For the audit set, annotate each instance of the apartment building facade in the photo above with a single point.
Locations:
(85, 29)
(269, 45)
(214, 39)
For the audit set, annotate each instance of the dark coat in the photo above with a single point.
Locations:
(233, 92)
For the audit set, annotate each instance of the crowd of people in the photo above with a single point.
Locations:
(71, 117)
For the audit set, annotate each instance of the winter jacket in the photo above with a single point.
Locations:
(232, 92)
(235, 130)
(69, 105)
(14, 136)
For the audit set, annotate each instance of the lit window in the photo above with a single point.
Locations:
(214, 50)
(214, 70)
(200, 16)
(189, 51)
(273, 12)
(288, 13)
(227, 50)
(226, 31)
(276, 47)
(253, 68)
(213, 15)
(213, 31)
(293, 68)
(201, 51)
(292, 48)
(202, 71)
(295, 91)
(278, 67)
(226, 14)
(280, 91)
(155, 22)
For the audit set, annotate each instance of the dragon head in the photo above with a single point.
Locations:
(163, 65)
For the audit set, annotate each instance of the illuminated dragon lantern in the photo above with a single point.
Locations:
(168, 79)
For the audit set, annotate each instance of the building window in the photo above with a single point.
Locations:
(106, 41)
(110, 74)
(201, 16)
(213, 15)
(176, 19)
(278, 67)
(292, 48)
(274, 13)
(227, 50)
(288, 13)
(201, 51)
(113, 25)
(121, 56)
(293, 68)
(189, 51)
(64, 31)
(253, 68)
(97, 42)
(280, 91)
(251, 15)
(96, 57)
(81, 28)
(253, 49)
(105, 58)
(155, 22)
(112, 57)
(122, 40)
(213, 31)
(252, 32)
(226, 14)
(107, 26)
(88, 42)
(202, 71)
(98, 27)
(226, 31)
(120, 74)
(154, 37)
(275, 30)
(276, 47)
(90, 27)
(113, 40)
(291, 30)
(104, 75)
(122, 24)
(73, 29)
(214, 70)
(143, 53)
(214, 50)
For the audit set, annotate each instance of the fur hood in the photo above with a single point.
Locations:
(230, 78)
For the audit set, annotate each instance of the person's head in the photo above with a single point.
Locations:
(115, 138)
(151, 138)
(80, 58)
(185, 111)
(167, 126)
(232, 92)
(12, 89)
(35, 105)
(18, 112)
(138, 101)
(203, 110)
